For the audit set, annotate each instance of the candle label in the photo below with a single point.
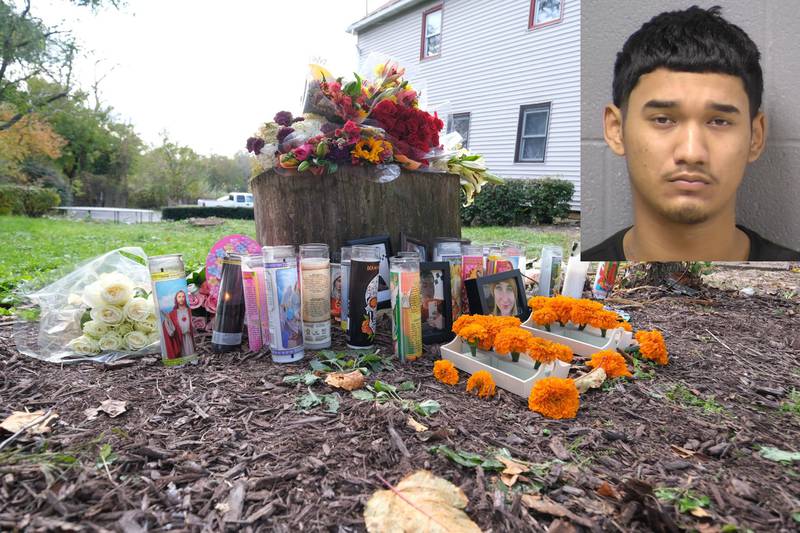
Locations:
(316, 282)
(174, 317)
(283, 303)
(406, 314)
(345, 295)
(364, 280)
(336, 291)
(455, 283)
(604, 279)
(471, 268)
(255, 300)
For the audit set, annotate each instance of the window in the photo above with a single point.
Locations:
(532, 133)
(460, 123)
(431, 45)
(240, 198)
(545, 12)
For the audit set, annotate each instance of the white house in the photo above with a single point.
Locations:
(509, 69)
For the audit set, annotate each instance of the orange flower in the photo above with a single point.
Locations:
(583, 310)
(444, 371)
(604, 320)
(562, 306)
(554, 398)
(612, 362)
(493, 325)
(512, 340)
(544, 317)
(626, 326)
(541, 350)
(652, 346)
(464, 320)
(563, 353)
(538, 302)
(483, 384)
(472, 333)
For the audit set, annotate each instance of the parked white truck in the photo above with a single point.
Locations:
(233, 199)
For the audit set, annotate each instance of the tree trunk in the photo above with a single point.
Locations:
(347, 205)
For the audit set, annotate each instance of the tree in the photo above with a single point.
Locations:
(225, 174)
(168, 174)
(31, 137)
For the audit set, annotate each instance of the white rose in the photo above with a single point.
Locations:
(110, 341)
(91, 295)
(138, 309)
(109, 314)
(115, 288)
(84, 345)
(148, 325)
(95, 328)
(153, 338)
(74, 299)
(123, 329)
(136, 340)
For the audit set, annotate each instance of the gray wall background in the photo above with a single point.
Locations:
(769, 198)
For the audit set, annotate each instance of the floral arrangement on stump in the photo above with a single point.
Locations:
(372, 120)
(581, 312)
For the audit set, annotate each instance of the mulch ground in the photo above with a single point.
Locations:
(221, 445)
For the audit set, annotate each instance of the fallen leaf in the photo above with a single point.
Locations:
(350, 381)
(416, 426)
(557, 447)
(20, 419)
(683, 452)
(512, 467)
(608, 491)
(706, 528)
(548, 506)
(592, 380)
(699, 512)
(419, 502)
(776, 454)
(509, 479)
(112, 408)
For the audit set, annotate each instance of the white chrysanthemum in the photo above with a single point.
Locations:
(136, 340)
(110, 314)
(266, 157)
(269, 132)
(310, 127)
(84, 345)
(138, 309)
(95, 328)
(115, 288)
(110, 341)
(147, 325)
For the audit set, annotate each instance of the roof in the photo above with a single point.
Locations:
(385, 11)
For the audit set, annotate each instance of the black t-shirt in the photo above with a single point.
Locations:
(760, 249)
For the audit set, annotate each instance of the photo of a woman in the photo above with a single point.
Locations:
(177, 328)
(504, 295)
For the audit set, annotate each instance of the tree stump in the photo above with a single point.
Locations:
(348, 205)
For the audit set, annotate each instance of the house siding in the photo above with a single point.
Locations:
(491, 64)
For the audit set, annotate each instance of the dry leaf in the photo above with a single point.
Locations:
(512, 467)
(557, 447)
(112, 408)
(608, 491)
(509, 479)
(20, 419)
(592, 380)
(416, 426)
(545, 506)
(350, 381)
(420, 502)
(682, 452)
(699, 512)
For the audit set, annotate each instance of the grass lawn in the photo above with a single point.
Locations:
(39, 249)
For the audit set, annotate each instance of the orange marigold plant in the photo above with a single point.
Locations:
(465, 320)
(604, 320)
(444, 371)
(652, 346)
(512, 340)
(473, 334)
(544, 317)
(583, 310)
(562, 306)
(612, 362)
(494, 324)
(538, 302)
(483, 384)
(554, 398)
(541, 351)
(626, 326)
(562, 352)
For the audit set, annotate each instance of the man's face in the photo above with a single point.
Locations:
(687, 138)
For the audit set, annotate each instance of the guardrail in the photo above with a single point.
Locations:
(112, 214)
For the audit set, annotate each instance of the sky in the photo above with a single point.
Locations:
(206, 72)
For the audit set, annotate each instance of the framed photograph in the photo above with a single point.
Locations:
(409, 244)
(500, 294)
(544, 12)
(436, 301)
(384, 296)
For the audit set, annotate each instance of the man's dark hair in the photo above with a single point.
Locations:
(692, 40)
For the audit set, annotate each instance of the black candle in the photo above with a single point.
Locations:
(227, 334)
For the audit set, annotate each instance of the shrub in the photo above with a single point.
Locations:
(28, 201)
(519, 202)
(182, 212)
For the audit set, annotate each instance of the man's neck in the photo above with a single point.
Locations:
(658, 239)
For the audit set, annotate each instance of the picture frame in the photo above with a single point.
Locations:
(500, 294)
(384, 294)
(410, 244)
(545, 12)
(436, 302)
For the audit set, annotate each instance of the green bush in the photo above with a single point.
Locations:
(519, 202)
(28, 201)
(182, 212)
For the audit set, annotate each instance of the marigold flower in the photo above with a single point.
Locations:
(626, 326)
(472, 333)
(544, 317)
(604, 320)
(465, 320)
(583, 310)
(612, 362)
(541, 350)
(562, 306)
(538, 302)
(483, 384)
(554, 398)
(652, 346)
(562, 352)
(444, 371)
(513, 340)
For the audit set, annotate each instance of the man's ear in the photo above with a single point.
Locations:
(612, 129)
(758, 137)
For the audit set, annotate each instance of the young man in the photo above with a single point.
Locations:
(687, 92)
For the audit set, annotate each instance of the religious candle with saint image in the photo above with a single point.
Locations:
(283, 302)
(404, 281)
(175, 327)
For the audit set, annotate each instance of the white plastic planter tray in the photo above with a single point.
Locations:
(517, 378)
(584, 342)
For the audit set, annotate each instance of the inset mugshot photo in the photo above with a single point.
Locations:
(690, 131)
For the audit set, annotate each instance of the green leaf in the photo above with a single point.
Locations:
(362, 395)
(308, 378)
(380, 386)
(406, 385)
(796, 517)
(383, 396)
(776, 454)
(427, 407)
(468, 459)
(331, 403)
(307, 401)
(319, 366)
(692, 501)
